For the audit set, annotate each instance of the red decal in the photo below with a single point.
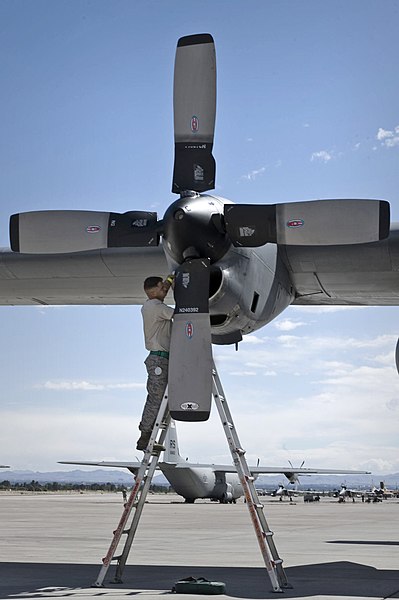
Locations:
(194, 124)
(295, 223)
(189, 330)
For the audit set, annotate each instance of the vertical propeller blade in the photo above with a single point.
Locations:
(190, 362)
(194, 105)
(397, 356)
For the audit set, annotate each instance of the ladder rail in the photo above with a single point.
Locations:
(264, 535)
(145, 473)
(139, 508)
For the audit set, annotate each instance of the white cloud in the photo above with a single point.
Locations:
(243, 373)
(88, 386)
(327, 309)
(288, 325)
(253, 174)
(252, 340)
(322, 156)
(388, 138)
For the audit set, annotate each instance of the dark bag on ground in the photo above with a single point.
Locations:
(198, 585)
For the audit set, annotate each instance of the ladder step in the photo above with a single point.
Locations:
(240, 451)
(249, 478)
(268, 534)
(261, 506)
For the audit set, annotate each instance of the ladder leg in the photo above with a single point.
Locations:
(139, 509)
(145, 473)
(264, 535)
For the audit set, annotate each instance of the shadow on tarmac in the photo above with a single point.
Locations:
(34, 580)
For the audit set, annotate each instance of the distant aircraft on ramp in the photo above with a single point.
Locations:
(194, 480)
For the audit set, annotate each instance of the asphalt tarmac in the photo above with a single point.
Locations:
(52, 545)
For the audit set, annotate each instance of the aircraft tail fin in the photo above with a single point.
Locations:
(171, 454)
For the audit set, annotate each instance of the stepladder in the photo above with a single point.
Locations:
(120, 546)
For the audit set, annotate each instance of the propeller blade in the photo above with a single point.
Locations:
(312, 223)
(59, 231)
(397, 356)
(190, 361)
(194, 105)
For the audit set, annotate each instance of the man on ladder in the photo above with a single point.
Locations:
(157, 324)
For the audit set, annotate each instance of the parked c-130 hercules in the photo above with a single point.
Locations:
(237, 266)
(215, 481)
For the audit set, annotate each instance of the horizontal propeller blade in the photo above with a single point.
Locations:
(312, 223)
(194, 105)
(190, 362)
(60, 231)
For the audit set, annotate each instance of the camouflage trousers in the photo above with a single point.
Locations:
(157, 369)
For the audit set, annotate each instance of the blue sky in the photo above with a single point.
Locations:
(307, 108)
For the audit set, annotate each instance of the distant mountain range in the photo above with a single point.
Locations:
(125, 478)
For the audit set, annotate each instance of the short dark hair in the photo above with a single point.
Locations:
(151, 282)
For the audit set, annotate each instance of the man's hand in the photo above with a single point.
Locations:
(169, 281)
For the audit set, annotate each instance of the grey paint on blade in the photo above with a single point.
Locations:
(190, 363)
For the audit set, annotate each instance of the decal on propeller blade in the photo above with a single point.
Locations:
(246, 231)
(198, 173)
(93, 229)
(189, 330)
(140, 223)
(295, 223)
(189, 406)
(194, 124)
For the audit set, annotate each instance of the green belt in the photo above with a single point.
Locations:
(160, 353)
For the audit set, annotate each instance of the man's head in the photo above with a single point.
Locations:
(155, 287)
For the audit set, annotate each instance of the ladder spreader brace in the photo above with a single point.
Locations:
(143, 479)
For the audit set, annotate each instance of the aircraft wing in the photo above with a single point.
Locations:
(287, 471)
(110, 276)
(132, 466)
(358, 274)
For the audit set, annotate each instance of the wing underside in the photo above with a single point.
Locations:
(111, 276)
(364, 274)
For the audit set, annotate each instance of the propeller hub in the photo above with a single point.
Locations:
(193, 226)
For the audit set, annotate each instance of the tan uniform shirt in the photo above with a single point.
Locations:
(157, 323)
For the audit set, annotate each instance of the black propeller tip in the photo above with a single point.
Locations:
(198, 38)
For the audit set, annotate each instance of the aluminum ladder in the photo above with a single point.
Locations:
(136, 498)
(273, 563)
